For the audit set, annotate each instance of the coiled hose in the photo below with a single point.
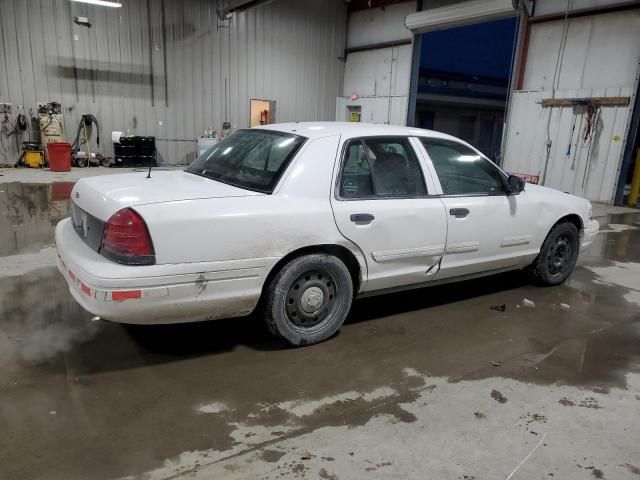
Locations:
(87, 120)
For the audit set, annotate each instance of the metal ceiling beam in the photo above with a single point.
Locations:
(242, 7)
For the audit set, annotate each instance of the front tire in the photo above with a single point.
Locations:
(558, 255)
(308, 299)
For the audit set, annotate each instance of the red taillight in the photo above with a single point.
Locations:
(126, 239)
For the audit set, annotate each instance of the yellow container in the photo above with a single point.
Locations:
(33, 158)
(635, 183)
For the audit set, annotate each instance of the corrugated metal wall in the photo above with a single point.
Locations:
(168, 68)
(600, 58)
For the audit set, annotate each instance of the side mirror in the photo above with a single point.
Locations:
(515, 185)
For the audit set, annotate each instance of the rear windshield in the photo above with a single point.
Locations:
(251, 159)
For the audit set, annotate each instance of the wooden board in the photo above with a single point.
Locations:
(600, 101)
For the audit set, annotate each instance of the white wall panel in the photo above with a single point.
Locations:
(288, 51)
(601, 51)
(591, 168)
(601, 58)
(548, 7)
(376, 76)
(375, 109)
(379, 77)
(378, 25)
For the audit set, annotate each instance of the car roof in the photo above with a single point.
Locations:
(353, 129)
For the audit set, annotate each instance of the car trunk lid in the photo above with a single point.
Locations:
(103, 196)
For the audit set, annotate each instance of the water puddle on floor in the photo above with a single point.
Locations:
(38, 317)
(29, 214)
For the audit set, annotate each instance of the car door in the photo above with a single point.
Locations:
(487, 229)
(382, 203)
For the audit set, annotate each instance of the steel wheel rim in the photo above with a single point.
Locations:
(311, 299)
(560, 255)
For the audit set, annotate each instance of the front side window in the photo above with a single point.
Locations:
(461, 170)
(251, 159)
(381, 167)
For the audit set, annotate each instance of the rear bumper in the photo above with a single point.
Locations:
(158, 293)
(589, 234)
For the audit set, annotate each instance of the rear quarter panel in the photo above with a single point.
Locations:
(236, 228)
(266, 227)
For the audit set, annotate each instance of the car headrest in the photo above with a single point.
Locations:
(390, 173)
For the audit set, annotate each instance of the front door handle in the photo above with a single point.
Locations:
(459, 212)
(362, 217)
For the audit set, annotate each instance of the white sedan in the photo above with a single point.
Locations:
(299, 219)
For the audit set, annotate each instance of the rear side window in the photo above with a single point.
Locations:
(461, 170)
(356, 174)
(251, 159)
(381, 167)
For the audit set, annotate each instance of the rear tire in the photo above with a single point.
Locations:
(558, 255)
(308, 299)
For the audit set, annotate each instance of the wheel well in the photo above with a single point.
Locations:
(339, 251)
(573, 218)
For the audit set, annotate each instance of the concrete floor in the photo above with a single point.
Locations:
(431, 384)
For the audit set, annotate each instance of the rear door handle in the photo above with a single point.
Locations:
(459, 212)
(362, 217)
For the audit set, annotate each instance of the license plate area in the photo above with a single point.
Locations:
(88, 227)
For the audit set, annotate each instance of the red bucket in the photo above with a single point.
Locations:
(61, 190)
(59, 156)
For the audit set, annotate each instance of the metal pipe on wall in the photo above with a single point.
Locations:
(150, 31)
(164, 52)
(415, 74)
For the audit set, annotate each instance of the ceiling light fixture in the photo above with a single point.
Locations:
(101, 3)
